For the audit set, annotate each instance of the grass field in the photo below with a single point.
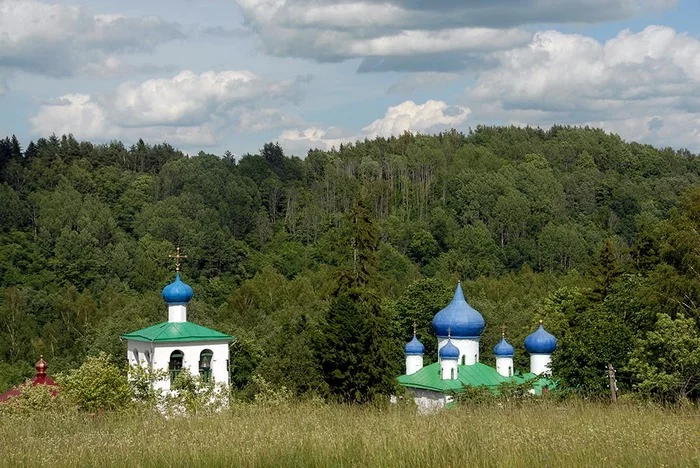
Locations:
(538, 434)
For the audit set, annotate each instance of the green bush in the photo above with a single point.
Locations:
(98, 385)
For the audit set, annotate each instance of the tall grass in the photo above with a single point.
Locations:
(542, 434)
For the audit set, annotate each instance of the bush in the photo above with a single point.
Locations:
(34, 398)
(192, 395)
(98, 385)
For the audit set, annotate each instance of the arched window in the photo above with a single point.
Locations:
(452, 374)
(464, 359)
(136, 356)
(175, 364)
(205, 364)
(147, 355)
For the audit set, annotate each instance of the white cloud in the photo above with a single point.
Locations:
(189, 108)
(621, 84)
(330, 30)
(431, 116)
(60, 40)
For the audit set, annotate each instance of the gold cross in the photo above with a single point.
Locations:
(503, 330)
(177, 258)
(414, 327)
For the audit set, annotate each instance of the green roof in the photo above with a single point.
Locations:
(475, 375)
(176, 332)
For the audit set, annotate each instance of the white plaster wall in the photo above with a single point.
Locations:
(160, 358)
(468, 349)
(429, 401)
(446, 368)
(177, 313)
(504, 366)
(540, 364)
(414, 363)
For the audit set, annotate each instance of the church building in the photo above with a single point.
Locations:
(458, 328)
(178, 344)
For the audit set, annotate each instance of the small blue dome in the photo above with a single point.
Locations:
(177, 292)
(503, 349)
(458, 318)
(414, 347)
(449, 351)
(540, 342)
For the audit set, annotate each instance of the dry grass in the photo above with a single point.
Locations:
(542, 434)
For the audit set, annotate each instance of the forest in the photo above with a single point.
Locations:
(319, 265)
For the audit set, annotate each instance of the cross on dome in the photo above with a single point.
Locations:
(177, 256)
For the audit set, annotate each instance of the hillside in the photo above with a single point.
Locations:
(594, 234)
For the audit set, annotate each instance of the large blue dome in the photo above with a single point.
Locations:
(458, 319)
(503, 349)
(177, 292)
(449, 351)
(414, 347)
(540, 342)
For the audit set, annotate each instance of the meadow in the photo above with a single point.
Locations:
(535, 434)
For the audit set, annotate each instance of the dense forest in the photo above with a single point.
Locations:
(320, 265)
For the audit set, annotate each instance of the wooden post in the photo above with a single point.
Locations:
(612, 383)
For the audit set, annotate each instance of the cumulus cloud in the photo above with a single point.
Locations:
(60, 40)
(622, 84)
(188, 109)
(431, 116)
(401, 31)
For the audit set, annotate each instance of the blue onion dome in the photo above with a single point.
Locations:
(449, 351)
(459, 317)
(177, 292)
(414, 347)
(540, 342)
(503, 349)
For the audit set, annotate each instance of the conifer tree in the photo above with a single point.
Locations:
(357, 356)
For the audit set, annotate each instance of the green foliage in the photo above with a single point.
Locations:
(666, 363)
(97, 385)
(192, 395)
(418, 305)
(267, 395)
(275, 242)
(33, 399)
(143, 382)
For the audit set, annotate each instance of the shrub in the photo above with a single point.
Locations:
(98, 385)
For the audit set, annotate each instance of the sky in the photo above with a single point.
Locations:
(217, 75)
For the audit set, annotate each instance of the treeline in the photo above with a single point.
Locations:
(595, 235)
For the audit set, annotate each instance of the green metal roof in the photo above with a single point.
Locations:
(475, 375)
(176, 332)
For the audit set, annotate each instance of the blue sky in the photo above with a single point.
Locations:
(214, 75)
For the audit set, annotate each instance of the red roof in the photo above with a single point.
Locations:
(39, 379)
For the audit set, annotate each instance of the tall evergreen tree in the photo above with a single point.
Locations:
(357, 355)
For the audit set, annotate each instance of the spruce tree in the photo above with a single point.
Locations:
(355, 350)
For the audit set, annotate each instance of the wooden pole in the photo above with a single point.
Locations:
(612, 383)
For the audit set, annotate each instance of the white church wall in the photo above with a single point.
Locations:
(504, 366)
(429, 401)
(414, 363)
(449, 369)
(177, 313)
(540, 364)
(468, 349)
(160, 358)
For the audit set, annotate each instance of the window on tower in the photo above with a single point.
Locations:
(175, 365)
(136, 356)
(205, 364)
